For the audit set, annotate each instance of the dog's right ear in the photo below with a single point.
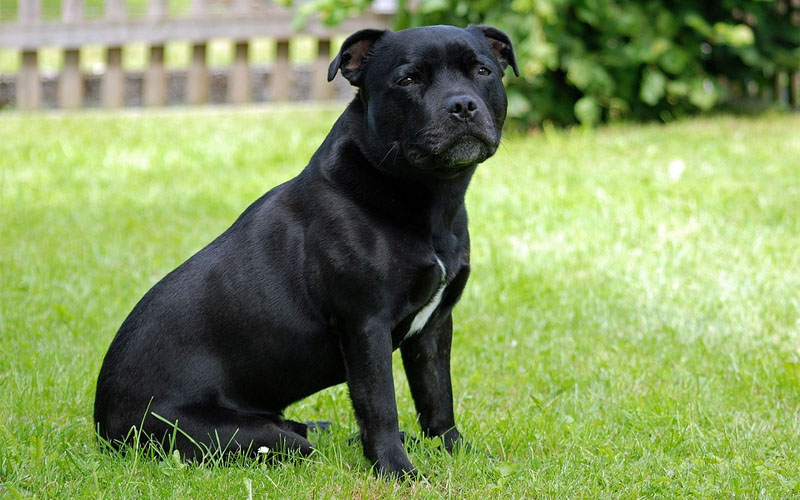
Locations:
(353, 54)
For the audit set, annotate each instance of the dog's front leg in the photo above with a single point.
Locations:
(426, 359)
(367, 355)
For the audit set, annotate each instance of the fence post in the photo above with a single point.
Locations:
(30, 11)
(29, 88)
(155, 76)
(197, 80)
(239, 83)
(157, 9)
(239, 91)
(281, 72)
(320, 88)
(114, 78)
(71, 10)
(70, 84)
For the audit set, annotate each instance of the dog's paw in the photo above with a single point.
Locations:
(398, 472)
(392, 462)
(451, 440)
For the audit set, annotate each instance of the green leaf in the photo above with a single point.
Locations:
(579, 72)
(587, 111)
(653, 85)
(590, 76)
(735, 35)
(431, 6)
(666, 23)
(752, 57)
(617, 109)
(658, 47)
(677, 88)
(545, 9)
(518, 104)
(703, 94)
(674, 60)
(696, 22)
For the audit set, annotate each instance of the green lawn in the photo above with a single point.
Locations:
(631, 328)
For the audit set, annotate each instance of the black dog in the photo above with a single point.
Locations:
(320, 279)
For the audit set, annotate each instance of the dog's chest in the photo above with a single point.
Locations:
(424, 314)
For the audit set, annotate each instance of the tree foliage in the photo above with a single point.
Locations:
(603, 60)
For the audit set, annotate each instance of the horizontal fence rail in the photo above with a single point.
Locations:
(240, 21)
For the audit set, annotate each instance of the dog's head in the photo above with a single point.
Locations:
(433, 97)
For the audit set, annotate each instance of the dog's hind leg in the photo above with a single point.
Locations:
(195, 432)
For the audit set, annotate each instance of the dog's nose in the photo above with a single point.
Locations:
(462, 107)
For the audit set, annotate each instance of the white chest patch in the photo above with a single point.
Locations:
(424, 314)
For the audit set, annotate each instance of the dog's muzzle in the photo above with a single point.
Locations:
(450, 158)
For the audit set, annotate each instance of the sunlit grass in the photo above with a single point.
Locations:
(630, 329)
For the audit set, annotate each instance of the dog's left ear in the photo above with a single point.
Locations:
(500, 45)
(353, 54)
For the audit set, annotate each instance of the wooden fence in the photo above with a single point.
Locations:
(238, 20)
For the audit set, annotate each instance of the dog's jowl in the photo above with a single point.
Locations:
(320, 279)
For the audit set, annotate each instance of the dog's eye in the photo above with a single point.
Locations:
(484, 71)
(406, 81)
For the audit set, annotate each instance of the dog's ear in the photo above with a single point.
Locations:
(500, 45)
(353, 54)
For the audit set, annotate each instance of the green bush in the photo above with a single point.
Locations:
(592, 60)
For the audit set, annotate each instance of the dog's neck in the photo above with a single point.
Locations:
(342, 160)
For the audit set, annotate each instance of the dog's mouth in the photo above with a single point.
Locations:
(452, 158)
(467, 150)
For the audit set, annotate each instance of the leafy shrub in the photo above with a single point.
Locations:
(603, 60)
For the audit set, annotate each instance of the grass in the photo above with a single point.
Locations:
(630, 330)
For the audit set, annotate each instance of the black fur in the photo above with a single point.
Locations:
(319, 280)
